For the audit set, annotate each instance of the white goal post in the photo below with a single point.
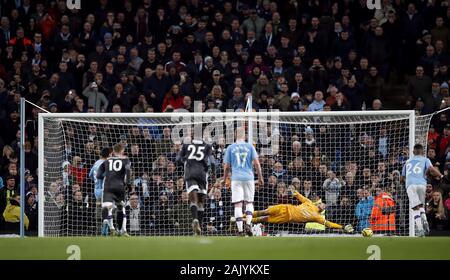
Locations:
(340, 157)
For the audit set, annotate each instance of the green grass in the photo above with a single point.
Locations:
(217, 248)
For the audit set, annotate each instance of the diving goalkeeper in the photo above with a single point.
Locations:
(307, 211)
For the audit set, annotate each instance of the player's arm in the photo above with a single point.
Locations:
(433, 170)
(180, 159)
(226, 171)
(257, 166)
(101, 171)
(300, 197)
(128, 174)
(320, 219)
(93, 172)
(403, 176)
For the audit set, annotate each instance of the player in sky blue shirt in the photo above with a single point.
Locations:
(240, 158)
(98, 183)
(416, 168)
(415, 171)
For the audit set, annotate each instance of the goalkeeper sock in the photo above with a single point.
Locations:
(249, 213)
(238, 216)
(418, 219)
(194, 211)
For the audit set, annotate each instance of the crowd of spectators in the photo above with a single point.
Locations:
(162, 56)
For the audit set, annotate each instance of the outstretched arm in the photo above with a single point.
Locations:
(92, 173)
(332, 225)
(320, 219)
(300, 197)
(257, 165)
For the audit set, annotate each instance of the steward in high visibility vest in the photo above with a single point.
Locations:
(12, 215)
(382, 218)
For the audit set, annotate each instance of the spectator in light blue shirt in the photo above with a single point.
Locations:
(383, 145)
(363, 209)
(318, 103)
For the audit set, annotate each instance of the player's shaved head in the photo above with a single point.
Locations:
(418, 149)
(240, 133)
(104, 153)
(118, 149)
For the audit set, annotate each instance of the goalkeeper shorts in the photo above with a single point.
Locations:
(278, 214)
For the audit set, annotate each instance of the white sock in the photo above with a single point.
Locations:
(422, 213)
(110, 218)
(249, 212)
(422, 210)
(124, 223)
(238, 215)
(418, 219)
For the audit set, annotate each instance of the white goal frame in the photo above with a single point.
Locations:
(249, 115)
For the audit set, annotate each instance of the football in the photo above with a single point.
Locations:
(367, 232)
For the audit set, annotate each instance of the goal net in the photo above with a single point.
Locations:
(345, 159)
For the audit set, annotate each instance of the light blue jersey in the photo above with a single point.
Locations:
(240, 156)
(98, 183)
(415, 169)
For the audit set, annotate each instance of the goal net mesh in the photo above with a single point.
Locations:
(340, 159)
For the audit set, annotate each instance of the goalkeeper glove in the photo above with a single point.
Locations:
(348, 229)
(293, 192)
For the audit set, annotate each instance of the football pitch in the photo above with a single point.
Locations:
(226, 248)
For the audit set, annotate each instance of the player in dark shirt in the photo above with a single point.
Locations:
(116, 174)
(196, 157)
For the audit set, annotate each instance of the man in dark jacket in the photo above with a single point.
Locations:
(379, 52)
(412, 25)
(31, 210)
(159, 84)
(419, 86)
